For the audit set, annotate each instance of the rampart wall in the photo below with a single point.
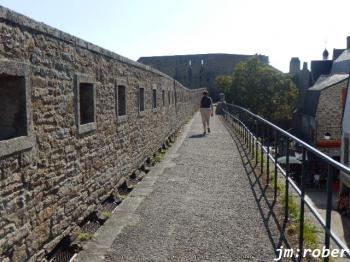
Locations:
(74, 120)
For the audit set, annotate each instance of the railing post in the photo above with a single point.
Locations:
(262, 150)
(243, 129)
(249, 135)
(256, 142)
(246, 136)
(329, 209)
(268, 157)
(246, 133)
(239, 123)
(276, 148)
(302, 205)
(286, 214)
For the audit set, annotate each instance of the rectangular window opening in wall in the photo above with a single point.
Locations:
(169, 98)
(121, 94)
(163, 97)
(141, 99)
(154, 99)
(87, 105)
(13, 109)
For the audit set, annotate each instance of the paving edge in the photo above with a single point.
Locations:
(125, 214)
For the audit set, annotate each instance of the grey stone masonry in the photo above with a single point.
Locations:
(62, 149)
(329, 114)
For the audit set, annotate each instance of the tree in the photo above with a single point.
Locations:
(260, 88)
(224, 82)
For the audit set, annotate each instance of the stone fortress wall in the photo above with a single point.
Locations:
(198, 70)
(75, 119)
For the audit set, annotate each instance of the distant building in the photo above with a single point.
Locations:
(301, 78)
(322, 113)
(342, 64)
(345, 156)
(195, 71)
(320, 106)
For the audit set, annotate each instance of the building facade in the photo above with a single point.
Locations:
(322, 113)
(345, 145)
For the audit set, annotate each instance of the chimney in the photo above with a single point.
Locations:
(294, 66)
(348, 42)
(304, 66)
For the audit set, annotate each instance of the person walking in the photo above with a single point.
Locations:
(206, 109)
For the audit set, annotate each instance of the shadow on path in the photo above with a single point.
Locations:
(197, 136)
(266, 201)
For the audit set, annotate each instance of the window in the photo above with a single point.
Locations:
(15, 108)
(141, 99)
(121, 99)
(154, 99)
(85, 103)
(163, 97)
(346, 151)
(13, 117)
(169, 97)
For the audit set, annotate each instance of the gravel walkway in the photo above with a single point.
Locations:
(200, 208)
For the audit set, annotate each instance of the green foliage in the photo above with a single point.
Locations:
(83, 236)
(292, 207)
(261, 88)
(158, 158)
(310, 232)
(310, 236)
(106, 214)
(224, 82)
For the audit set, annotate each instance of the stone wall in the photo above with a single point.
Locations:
(59, 169)
(330, 111)
(200, 70)
(329, 115)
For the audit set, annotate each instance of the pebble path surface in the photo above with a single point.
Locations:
(200, 208)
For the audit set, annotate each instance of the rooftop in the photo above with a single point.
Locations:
(326, 81)
(342, 63)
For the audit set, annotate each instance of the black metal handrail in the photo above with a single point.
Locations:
(250, 126)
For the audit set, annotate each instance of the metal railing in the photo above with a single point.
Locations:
(258, 132)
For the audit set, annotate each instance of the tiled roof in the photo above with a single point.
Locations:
(326, 81)
(342, 63)
(313, 93)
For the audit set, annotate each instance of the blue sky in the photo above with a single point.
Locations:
(133, 28)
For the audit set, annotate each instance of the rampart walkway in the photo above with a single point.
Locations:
(196, 205)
